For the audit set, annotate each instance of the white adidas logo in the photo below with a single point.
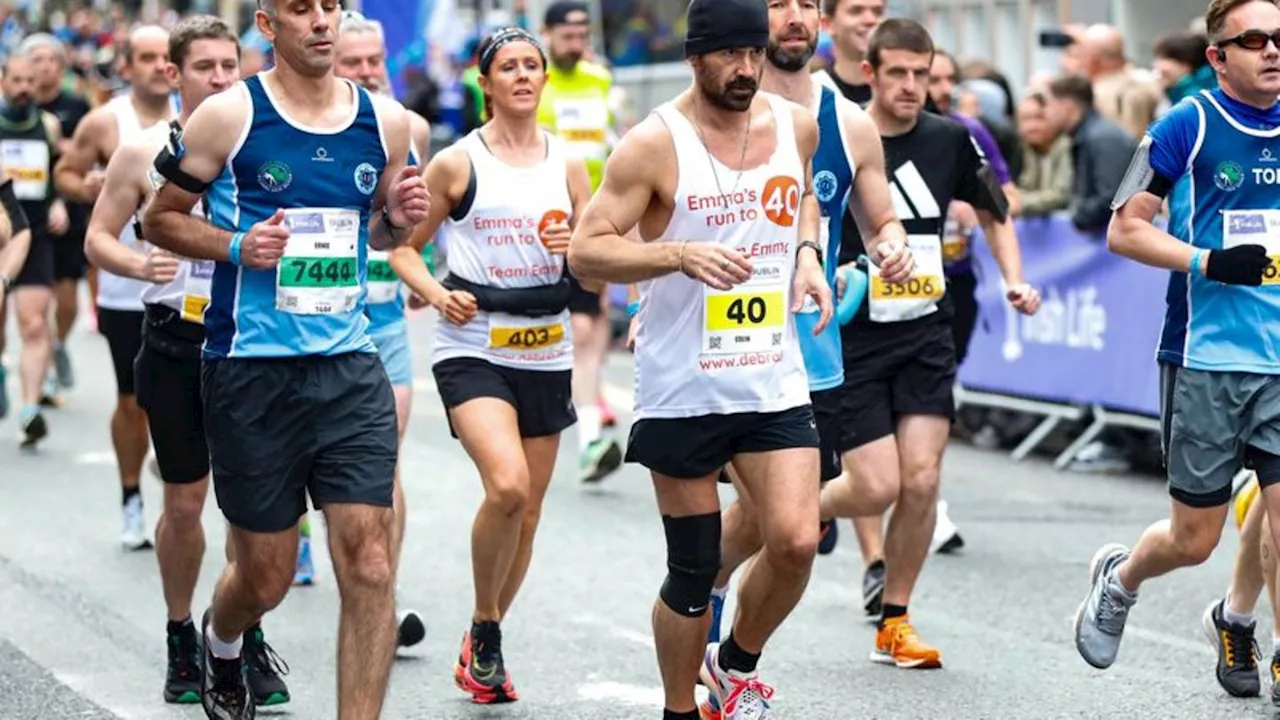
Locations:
(912, 198)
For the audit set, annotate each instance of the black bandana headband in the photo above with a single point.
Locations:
(506, 36)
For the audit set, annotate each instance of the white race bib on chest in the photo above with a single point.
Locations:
(197, 289)
(318, 274)
(1255, 227)
(916, 297)
(26, 162)
(751, 317)
(384, 285)
(583, 124)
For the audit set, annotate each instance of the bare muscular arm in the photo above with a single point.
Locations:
(87, 149)
(123, 192)
(600, 248)
(209, 136)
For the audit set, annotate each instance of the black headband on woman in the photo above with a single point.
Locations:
(506, 36)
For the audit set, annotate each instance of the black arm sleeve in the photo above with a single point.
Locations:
(17, 218)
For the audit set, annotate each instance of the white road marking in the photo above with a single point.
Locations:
(622, 633)
(622, 693)
(101, 457)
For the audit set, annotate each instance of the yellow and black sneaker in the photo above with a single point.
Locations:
(1237, 650)
(1275, 678)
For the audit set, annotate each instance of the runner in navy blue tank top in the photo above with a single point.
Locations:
(304, 173)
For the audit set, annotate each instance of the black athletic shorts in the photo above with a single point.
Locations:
(37, 271)
(583, 301)
(827, 408)
(167, 372)
(281, 428)
(69, 262)
(695, 447)
(123, 330)
(963, 290)
(892, 370)
(543, 399)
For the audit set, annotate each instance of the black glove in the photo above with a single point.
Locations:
(1240, 265)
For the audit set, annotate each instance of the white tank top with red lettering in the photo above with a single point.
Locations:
(498, 244)
(700, 351)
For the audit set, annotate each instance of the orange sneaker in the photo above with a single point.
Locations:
(487, 683)
(898, 644)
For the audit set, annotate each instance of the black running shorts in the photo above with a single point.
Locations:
(583, 301)
(892, 370)
(827, 406)
(69, 262)
(123, 331)
(167, 372)
(543, 399)
(282, 428)
(695, 447)
(37, 270)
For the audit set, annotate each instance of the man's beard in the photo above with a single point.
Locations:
(790, 60)
(735, 97)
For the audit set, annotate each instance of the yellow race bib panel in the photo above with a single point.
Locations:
(750, 317)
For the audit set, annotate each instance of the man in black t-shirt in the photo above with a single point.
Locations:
(899, 356)
(49, 61)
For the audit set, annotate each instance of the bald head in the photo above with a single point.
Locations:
(146, 54)
(1104, 46)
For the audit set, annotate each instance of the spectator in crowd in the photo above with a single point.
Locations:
(943, 78)
(986, 101)
(1123, 94)
(1046, 176)
(1181, 66)
(1100, 150)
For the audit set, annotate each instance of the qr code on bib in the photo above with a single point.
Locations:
(777, 339)
(714, 343)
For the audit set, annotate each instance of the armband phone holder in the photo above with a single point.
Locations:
(168, 164)
(856, 282)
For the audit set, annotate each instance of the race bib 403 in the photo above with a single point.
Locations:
(517, 334)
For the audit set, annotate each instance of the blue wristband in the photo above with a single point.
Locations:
(1197, 259)
(233, 250)
(633, 307)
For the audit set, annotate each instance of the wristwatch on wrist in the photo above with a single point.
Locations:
(386, 220)
(817, 249)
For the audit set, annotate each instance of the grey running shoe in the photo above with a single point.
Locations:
(1100, 620)
(1237, 650)
(873, 589)
(62, 367)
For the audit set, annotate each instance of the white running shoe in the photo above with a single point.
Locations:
(134, 537)
(946, 536)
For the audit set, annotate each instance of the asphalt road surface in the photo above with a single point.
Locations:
(82, 622)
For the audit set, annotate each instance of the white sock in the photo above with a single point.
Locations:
(589, 422)
(721, 593)
(221, 649)
(1235, 618)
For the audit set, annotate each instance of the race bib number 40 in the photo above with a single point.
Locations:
(1255, 227)
(384, 284)
(319, 273)
(751, 317)
(517, 334)
(917, 297)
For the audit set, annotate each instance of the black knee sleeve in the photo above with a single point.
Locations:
(693, 559)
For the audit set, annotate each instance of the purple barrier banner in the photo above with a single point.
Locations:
(1094, 339)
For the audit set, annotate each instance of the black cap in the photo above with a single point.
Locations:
(558, 13)
(726, 24)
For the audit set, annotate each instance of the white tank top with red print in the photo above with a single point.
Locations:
(701, 351)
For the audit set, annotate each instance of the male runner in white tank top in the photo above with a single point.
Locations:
(719, 182)
(204, 55)
(80, 176)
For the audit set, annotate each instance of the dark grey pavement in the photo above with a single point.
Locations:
(81, 622)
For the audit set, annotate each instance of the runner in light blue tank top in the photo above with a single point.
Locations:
(385, 309)
(833, 174)
(278, 164)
